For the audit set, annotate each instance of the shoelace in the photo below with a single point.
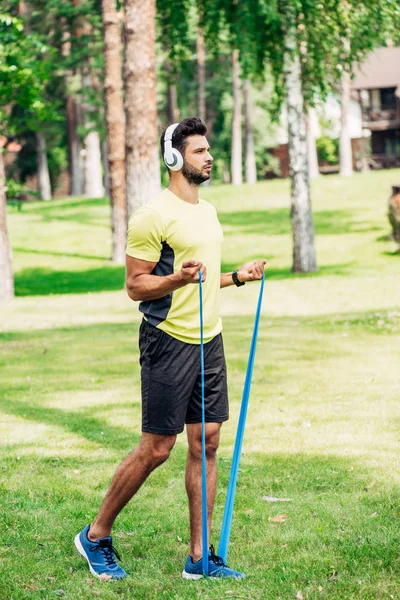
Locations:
(108, 550)
(217, 560)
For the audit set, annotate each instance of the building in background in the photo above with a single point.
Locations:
(377, 84)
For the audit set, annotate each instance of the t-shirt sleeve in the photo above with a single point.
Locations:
(145, 235)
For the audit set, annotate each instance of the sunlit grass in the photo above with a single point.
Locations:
(323, 422)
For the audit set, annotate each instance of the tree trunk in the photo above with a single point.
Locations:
(71, 114)
(42, 168)
(6, 272)
(303, 229)
(311, 122)
(250, 158)
(106, 169)
(74, 149)
(115, 119)
(201, 74)
(142, 155)
(236, 159)
(345, 152)
(93, 169)
(173, 110)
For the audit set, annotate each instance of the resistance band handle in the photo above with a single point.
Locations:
(204, 511)
(230, 496)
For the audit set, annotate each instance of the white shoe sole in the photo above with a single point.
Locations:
(81, 551)
(186, 575)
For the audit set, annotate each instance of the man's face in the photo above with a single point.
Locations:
(197, 162)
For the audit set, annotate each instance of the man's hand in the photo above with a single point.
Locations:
(190, 271)
(252, 271)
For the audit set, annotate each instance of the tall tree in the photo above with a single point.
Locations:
(72, 114)
(311, 125)
(173, 111)
(250, 157)
(304, 259)
(201, 72)
(236, 158)
(43, 169)
(24, 72)
(6, 271)
(115, 128)
(345, 150)
(314, 31)
(142, 161)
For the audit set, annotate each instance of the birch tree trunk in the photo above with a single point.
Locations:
(6, 272)
(74, 149)
(42, 168)
(93, 168)
(236, 158)
(345, 151)
(115, 119)
(304, 259)
(142, 159)
(201, 74)
(250, 158)
(313, 169)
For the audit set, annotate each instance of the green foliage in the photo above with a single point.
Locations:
(328, 150)
(24, 69)
(17, 191)
(258, 27)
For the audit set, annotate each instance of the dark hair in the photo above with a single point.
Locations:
(186, 128)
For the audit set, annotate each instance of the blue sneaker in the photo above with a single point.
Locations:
(100, 555)
(216, 568)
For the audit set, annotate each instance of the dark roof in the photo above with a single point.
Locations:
(381, 69)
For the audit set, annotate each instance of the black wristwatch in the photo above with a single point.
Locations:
(236, 279)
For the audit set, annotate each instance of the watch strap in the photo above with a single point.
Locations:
(236, 279)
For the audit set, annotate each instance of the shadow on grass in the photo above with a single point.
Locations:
(277, 222)
(60, 253)
(80, 210)
(42, 281)
(91, 428)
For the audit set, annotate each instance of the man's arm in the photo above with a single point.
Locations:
(142, 285)
(250, 271)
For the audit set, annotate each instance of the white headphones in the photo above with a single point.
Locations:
(172, 157)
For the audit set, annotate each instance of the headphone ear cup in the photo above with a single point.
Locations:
(174, 161)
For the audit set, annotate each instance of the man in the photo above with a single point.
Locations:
(170, 240)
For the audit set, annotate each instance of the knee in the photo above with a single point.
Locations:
(155, 452)
(212, 443)
(160, 452)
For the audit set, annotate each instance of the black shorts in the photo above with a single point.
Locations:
(171, 381)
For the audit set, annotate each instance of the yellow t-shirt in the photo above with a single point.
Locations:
(170, 231)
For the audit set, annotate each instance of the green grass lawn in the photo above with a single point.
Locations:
(323, 425)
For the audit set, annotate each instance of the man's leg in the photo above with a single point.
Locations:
(151, 452)
(193, 480)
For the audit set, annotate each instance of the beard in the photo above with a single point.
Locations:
(192, 175)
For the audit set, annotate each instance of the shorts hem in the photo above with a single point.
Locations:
(162, 431)
(209, 420)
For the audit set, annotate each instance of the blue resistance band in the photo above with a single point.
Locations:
(230, 496)
(204, 515)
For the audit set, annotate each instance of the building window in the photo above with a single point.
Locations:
(388, 98)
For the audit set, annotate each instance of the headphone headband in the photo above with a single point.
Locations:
(172, 157)
(170, 132)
